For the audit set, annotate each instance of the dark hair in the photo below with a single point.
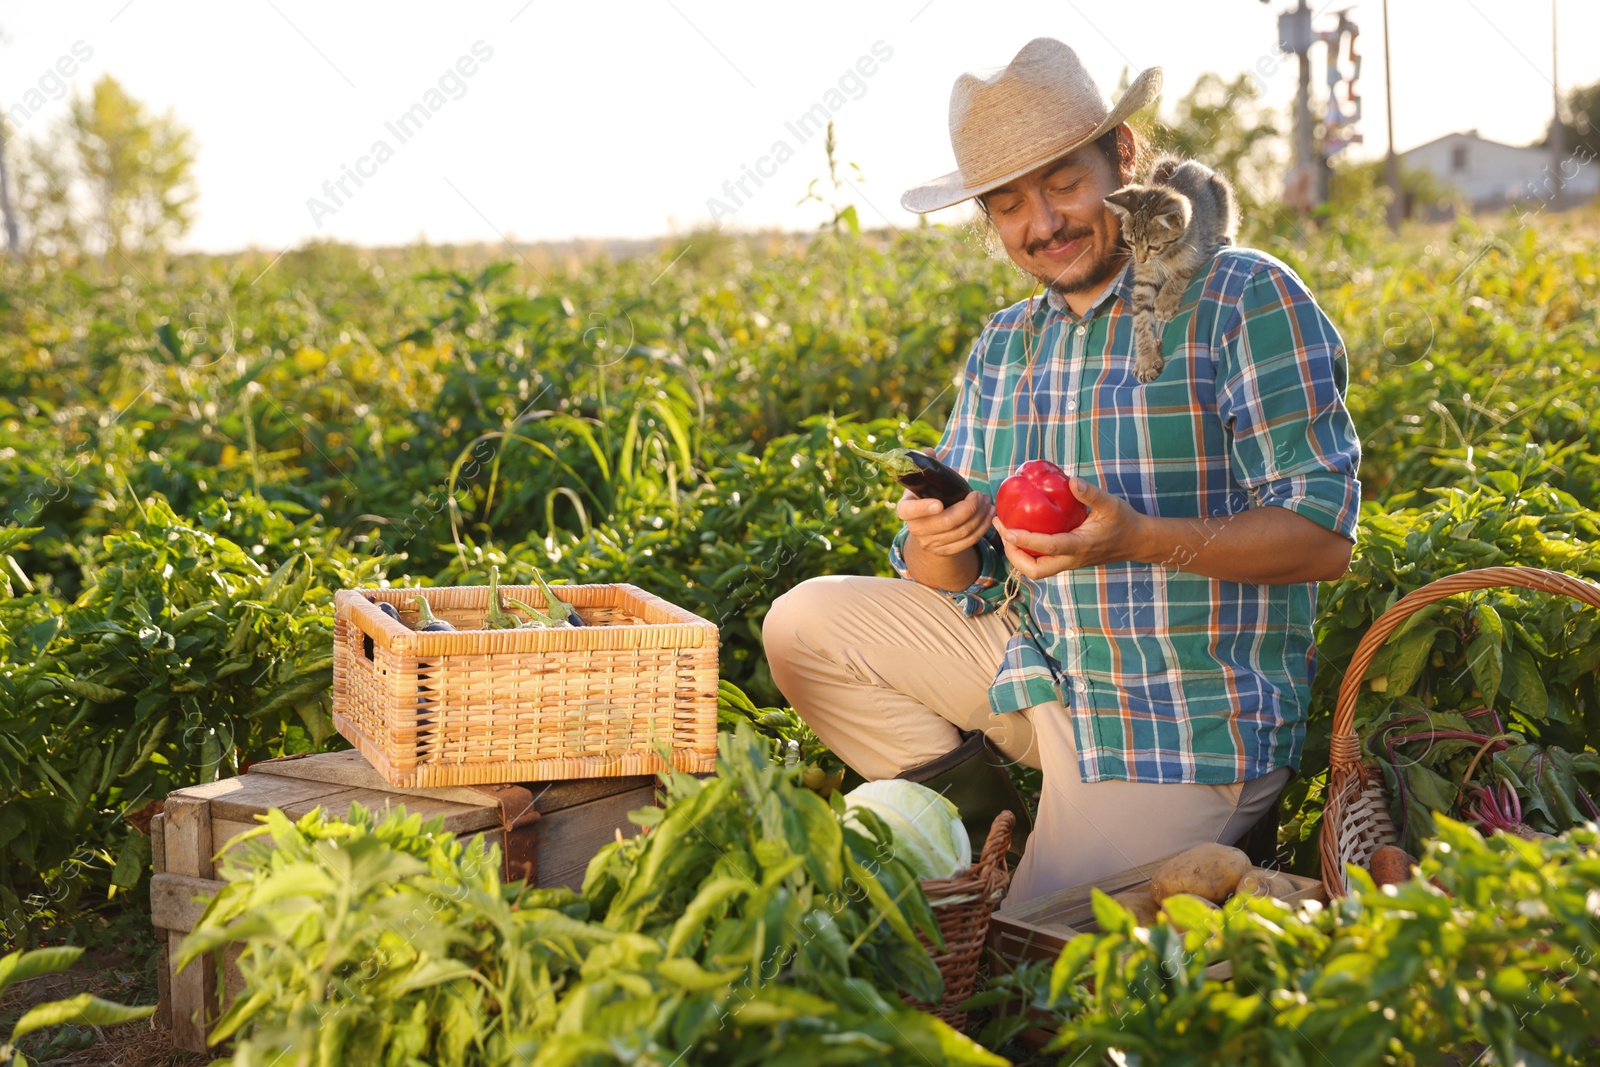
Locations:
(1122, 155)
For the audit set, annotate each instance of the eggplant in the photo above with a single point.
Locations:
(925, 476)
(388, 609)
(559, 610)
(426, 622)
(497, 617)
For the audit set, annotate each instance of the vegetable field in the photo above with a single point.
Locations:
(193, 460)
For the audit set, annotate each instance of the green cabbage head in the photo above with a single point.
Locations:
(928, 834)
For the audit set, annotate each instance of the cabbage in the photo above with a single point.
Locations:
(928, 834)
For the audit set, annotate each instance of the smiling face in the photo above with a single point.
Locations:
(1055, 225)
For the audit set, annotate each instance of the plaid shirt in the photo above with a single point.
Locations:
(1169, 676)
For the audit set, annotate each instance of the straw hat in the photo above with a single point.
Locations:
(1006, 122)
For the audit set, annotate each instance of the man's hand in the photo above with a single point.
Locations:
(942, 531)
(1113, 533)
(1262, 545)
(939, 548)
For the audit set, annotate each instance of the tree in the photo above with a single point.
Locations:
(1222, 124)
(1581, 122)
(13, 229)
(1360, 187)
(109, 179)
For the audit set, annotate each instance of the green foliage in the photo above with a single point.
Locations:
(747, 925)
(1580, 120)
(80, 1010)
(754, 527)
(110, 178)
(674, 420)
(1532, 657)
(197, 645)
(1223, 123)
(1504, 955)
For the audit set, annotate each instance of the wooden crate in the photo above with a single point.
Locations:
(1039, 929)
(547, 833)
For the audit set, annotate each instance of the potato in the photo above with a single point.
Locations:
(1253, 884)
(1211, 871)
(1260, 882)
(1141, 903)
(1390, 865)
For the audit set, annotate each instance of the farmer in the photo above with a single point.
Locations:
(1155, 663)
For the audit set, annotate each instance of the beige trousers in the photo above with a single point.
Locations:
(886, 671)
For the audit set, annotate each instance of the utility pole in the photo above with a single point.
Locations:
(1294, 35)
(1558, 132)
(1391, 161)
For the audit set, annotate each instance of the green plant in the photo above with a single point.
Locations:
(1531, 657)
(1501, 951)
(746, 925)
(197, 645)
(1470, 766)
(80, 1010)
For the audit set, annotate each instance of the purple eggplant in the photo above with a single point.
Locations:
(921, 473)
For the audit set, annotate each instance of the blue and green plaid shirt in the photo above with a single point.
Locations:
(1169, 676)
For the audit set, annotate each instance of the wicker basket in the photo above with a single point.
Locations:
(1355, 817)
(478, 706)
(962, 905)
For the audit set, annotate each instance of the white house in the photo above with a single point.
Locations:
(1490, 175)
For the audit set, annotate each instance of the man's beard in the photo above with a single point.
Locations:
(1095, 274)
(1103, 271)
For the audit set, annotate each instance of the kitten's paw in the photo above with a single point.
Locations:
(1148, 370)
(1168, 303)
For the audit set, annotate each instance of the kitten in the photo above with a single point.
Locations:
(1171, 225)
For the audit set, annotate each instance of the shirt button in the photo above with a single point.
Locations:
(1082, 329)
(1072, 405)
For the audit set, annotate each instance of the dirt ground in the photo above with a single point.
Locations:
(124, 975)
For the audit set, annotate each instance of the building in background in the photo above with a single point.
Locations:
(1490, 176)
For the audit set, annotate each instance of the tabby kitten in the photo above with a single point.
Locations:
(1171, 225)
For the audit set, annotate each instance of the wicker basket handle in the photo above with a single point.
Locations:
(998, 843)
(1345, 750)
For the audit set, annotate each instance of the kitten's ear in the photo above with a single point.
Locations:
(1165, 167)
(1122, 200)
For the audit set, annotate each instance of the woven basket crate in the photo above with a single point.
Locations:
(1355, 817)
(962, 906)
(478, 706)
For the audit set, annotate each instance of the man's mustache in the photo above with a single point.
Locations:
(1061, 236)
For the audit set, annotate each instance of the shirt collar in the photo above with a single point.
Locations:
(1121, 286)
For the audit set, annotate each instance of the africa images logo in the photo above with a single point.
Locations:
(452, 85)
(852, 85)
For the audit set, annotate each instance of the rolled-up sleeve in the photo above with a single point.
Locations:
(1281, 382)
(961, 448)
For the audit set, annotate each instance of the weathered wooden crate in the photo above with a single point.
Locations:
(547, 833)
(1039, 929)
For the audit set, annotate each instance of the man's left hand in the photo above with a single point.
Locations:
(1111, 534)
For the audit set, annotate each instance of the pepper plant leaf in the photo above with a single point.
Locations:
(1486, 653)
(1524, 687)
(1409, 655)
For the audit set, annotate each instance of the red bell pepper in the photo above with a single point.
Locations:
(1038, 498)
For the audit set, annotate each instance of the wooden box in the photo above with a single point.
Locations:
(547, 833)
(1039, 929)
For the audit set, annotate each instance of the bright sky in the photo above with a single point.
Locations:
(602, 119)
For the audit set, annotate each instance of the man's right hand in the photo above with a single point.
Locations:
(942, 531)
